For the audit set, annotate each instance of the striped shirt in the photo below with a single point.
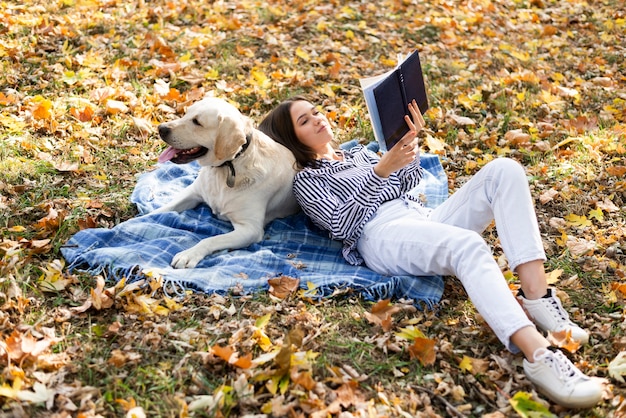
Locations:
(342, 196)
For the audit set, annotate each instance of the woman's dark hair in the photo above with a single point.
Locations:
(279, 126)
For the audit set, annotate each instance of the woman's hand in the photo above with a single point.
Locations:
(405, 150)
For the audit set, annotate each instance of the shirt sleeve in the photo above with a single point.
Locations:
(344, 213)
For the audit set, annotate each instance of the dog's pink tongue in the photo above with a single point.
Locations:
(168, 154)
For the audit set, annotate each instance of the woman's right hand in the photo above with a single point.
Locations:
(405, 150)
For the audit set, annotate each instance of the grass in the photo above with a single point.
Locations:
(174, 369)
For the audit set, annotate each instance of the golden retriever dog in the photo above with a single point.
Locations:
(245, 176)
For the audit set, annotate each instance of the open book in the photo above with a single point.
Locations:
(387, 97)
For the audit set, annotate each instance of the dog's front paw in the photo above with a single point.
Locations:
(187, 259)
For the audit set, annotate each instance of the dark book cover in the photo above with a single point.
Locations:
(393, 95)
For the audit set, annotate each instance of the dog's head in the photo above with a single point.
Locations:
(212, 131)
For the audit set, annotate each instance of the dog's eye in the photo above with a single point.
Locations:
(196, 122)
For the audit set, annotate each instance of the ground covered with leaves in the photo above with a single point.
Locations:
(84, 83)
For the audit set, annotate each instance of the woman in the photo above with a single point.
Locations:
(362, 199)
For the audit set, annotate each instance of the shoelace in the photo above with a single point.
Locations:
(566, 371)
(556, 307)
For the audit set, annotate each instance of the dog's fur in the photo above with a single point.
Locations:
(246, 177)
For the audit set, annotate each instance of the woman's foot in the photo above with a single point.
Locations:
(557, 378)
(549, 315)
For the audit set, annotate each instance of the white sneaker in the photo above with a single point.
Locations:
(549, 315)
(557, 378)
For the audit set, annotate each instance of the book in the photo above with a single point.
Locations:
(387, 97)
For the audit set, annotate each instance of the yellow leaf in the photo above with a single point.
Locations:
(434, 145)
(466, 364)
(259, 78)
(172, 304)
(410, 333)
(553, 276)
(562, 240)
(161, 310)
(262, 340)
(596, 214)
(9, 391)
(520, 55)
(101, 176)
(212, 74)
(467, 102)
(302, 54)
(578, 221)
(388, 61)
(327, 90)
(555, 102)
(263, 321)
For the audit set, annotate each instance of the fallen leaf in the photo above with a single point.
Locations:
(553, 276)
(283, 286)
(617, 367)
(563, 339)
(517, 137)
(381, 314)
(423, 349)
(460, 120)
(39, 394)
(523, 404)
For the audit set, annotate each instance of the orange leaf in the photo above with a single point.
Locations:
(620, 287)
(244, 362)
(51, 221)
(42, 110)
(564, 340)
(84, 115)
(382, 313)
(423, 349)
(230, 356)
(224, 353)
(617, 171)
(7, 100)
(303, 379)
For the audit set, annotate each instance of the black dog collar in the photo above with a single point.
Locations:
(230, 179)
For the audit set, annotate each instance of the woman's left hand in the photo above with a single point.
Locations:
(406, 149)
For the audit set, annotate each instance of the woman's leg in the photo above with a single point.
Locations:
(400, 240)
(499, 191)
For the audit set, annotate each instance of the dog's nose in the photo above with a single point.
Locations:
(164, 131)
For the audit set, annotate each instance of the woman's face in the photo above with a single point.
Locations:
(310, 125)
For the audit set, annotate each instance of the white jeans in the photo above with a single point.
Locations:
(405, 238)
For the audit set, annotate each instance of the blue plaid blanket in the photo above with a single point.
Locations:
(292, 246)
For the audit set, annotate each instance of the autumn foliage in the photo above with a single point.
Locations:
(84, 83)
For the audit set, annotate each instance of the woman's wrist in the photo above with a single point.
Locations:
(380, 172)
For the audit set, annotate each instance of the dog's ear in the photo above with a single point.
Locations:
(231, 135)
